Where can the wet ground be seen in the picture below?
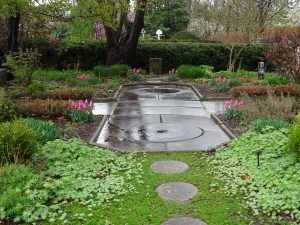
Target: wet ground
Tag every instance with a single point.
(159, 117)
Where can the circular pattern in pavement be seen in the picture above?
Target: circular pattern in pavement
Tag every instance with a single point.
(165, 132)
(169, 167)
(183, 221)
(177, 191)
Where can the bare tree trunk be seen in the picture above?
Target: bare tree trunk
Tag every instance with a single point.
(12, 33)
(122, 42)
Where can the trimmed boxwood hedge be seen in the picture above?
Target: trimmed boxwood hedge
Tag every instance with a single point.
(87, 54)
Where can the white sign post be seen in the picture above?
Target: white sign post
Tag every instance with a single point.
(159, 33)
(143, 32)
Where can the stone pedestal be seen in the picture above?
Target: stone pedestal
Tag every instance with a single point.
(155, 65)
(3, 77)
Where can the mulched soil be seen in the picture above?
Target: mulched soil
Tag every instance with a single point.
(84, 131)
(232, 125)
(207, 92)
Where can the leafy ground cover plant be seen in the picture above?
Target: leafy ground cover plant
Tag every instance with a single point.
(45, 130)
(193, 72)
(272, 188)
(293, 142)
(15, 180)
(82, 111)
(17, 142)
(70, 93)
(73, 173)
(260, 125)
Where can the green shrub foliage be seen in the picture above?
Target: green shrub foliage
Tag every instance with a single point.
(194, 72)
(116, 70)
(260, 125)
(90, 53)
(17, 142)
(293, 142)
(8, 110)
(185, 36)
(45, 130)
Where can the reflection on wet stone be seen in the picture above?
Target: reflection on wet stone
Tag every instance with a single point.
(160, 118)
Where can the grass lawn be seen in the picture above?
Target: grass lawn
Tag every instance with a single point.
(210, 205)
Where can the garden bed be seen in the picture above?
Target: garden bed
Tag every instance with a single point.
(83, 131)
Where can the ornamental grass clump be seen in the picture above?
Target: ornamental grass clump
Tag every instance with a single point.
(82, 111)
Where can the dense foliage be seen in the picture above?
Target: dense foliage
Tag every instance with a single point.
(260, 125)
(272, 187)
(44, 130)
(169, 16)
(194, 72)
(293, 142)
(18, 143)
(72, 173)
(90, 53)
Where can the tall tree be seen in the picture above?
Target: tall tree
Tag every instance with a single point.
(170, 16)
(122, 34)
(14, 10)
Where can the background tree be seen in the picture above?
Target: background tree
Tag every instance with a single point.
(285, 51)
(170, 16)
(14, 10)
(122, 34)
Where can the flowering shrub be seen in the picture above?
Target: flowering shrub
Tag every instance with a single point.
(233, 109)
(82, 111)
(221, 84)
(84, 77)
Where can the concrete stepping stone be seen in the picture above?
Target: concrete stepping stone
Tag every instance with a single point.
(183, 221)
(177, 191)
(170, 166)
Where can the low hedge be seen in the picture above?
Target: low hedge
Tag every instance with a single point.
(257, 90)
(70, 93)
(85, 55)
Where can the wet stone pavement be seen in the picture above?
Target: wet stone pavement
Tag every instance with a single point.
(158, 117)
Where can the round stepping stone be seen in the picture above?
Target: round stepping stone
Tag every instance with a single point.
(183, 221)
(169, 167)
(177, 191)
